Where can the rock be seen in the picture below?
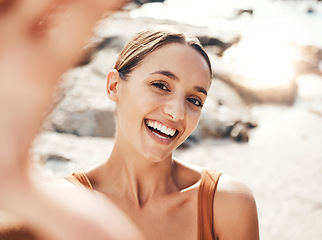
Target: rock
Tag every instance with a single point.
(141, 2)
(259, 74)
(115, 31)
(310, 10)
(244, 11)
(103, 61)
(223, 114)
(61, 154)
(239, 132)
(85, 109)
(113, 44)
(220, 45)
(305, 58)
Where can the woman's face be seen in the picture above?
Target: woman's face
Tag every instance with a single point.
(159, 105)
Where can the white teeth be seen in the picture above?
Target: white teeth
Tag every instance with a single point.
(162, 128)
(172, 132)
(160, 136)
(168, 132)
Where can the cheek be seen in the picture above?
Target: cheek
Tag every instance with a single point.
(132, 105)
(193, 119)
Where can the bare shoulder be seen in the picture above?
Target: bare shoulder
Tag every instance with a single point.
(234, 191)
(235, 213)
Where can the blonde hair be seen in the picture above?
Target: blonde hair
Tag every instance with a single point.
(150, 39)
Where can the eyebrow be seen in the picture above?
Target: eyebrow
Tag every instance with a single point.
(167, 74)
(200, 89)
(175, 78)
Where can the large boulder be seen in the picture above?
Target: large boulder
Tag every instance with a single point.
(84, 109)
(260, 73)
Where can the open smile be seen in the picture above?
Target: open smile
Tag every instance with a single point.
(161, 131)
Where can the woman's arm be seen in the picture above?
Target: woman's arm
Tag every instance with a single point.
(235, 213)
(39, 41)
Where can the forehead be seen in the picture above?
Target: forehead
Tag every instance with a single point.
(181, 59)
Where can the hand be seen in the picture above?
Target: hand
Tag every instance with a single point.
(39, 41)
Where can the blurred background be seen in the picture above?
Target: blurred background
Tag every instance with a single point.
(262, 122)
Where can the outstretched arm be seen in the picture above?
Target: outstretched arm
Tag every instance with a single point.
(39, 41)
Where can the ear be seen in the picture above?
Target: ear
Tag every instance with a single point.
(113, 85)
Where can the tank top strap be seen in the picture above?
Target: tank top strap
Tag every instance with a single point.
(208, 185)
(79, 179)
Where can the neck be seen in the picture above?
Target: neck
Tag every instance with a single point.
(139, 178)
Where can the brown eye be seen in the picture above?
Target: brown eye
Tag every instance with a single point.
(160, 86)
(195, 102)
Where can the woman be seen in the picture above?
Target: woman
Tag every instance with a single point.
(160, 83)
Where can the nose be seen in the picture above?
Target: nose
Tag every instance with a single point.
(175, 108)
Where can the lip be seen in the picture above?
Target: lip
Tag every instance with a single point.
(157, 138)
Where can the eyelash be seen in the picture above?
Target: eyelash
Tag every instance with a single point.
(194, 100)
(163, 87)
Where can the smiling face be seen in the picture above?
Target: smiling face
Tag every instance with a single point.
(159, 105)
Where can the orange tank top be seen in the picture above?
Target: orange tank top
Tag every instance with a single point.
(206, 193)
